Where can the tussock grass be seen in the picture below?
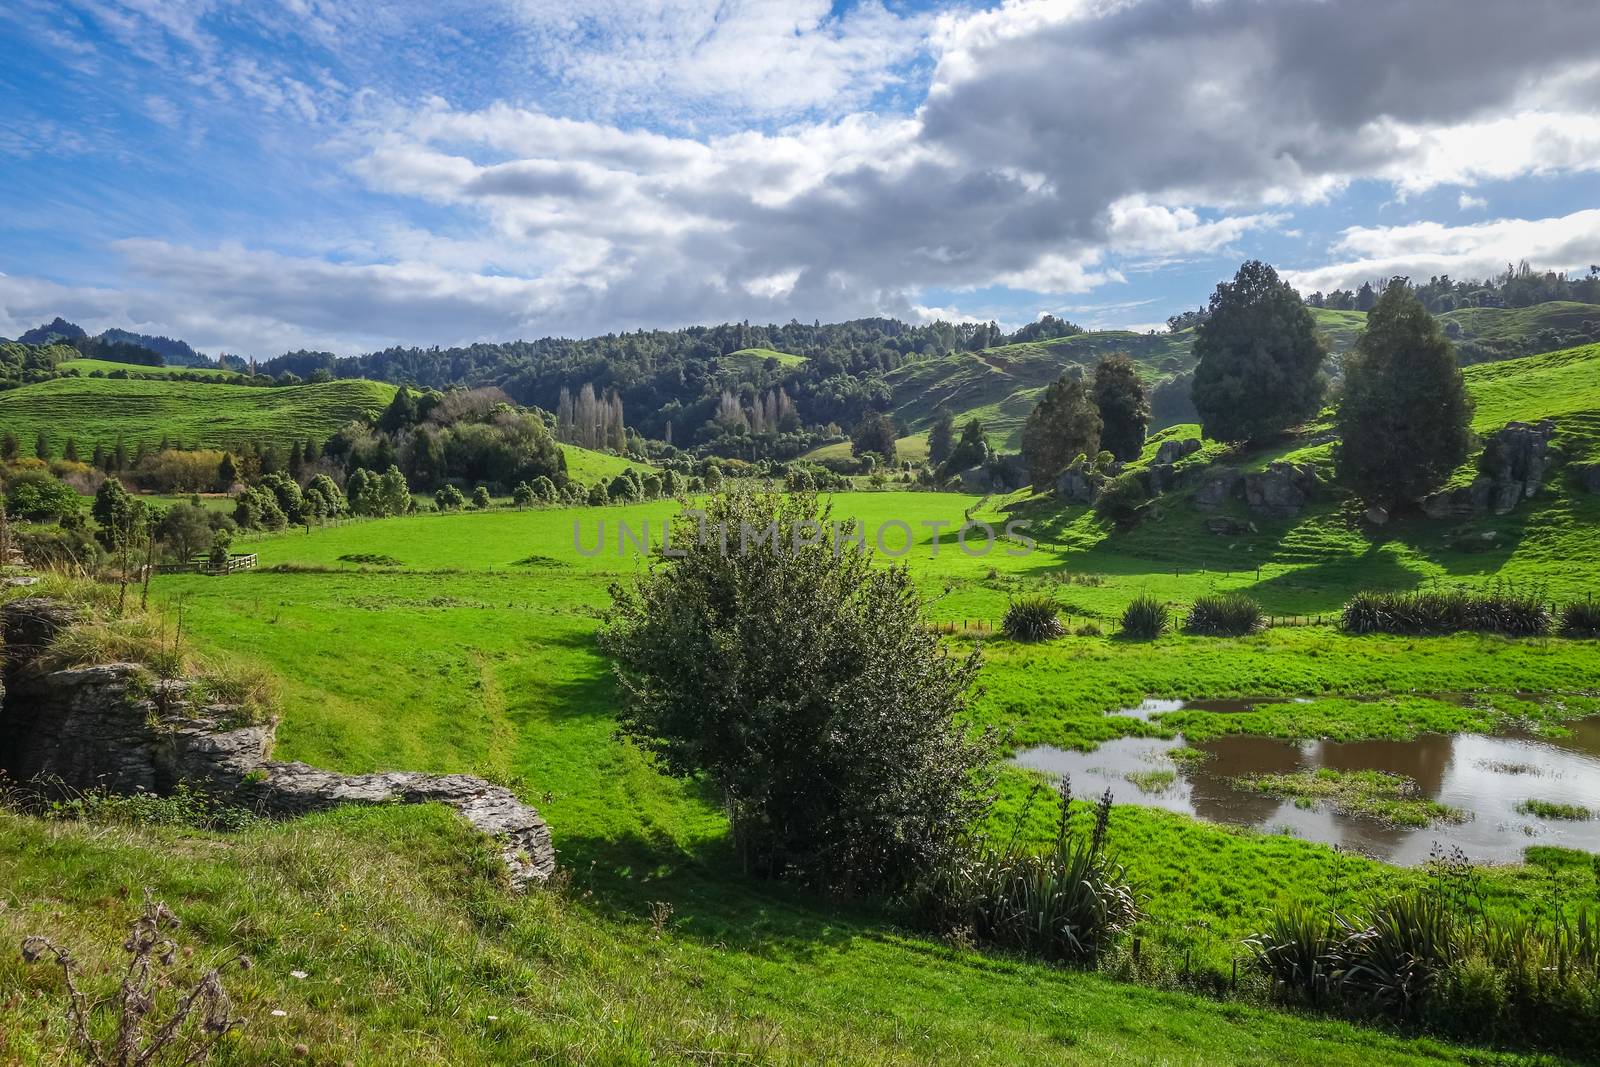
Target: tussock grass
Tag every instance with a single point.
(1145, 619)
(1033, 618)
(1225, 615)
(1502, 609)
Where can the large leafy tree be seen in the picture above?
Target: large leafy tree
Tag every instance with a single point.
(1063, 425)
(1405, 418)
(1260, 359)
(801, 682)
(1124, 406)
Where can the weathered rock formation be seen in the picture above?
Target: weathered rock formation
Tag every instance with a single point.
(1079, 484)
(1281, 490)
(523, 838)
(1588, 475)
(112, 727)
(1513, 465)
(1174, 450)
(1221, 487)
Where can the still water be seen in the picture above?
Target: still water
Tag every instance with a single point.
(1486, 777)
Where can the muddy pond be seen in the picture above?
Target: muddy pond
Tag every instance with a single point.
(1485, 778)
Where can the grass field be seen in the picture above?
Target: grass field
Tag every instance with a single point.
(99, 410)
(106, 366)
(475, 652)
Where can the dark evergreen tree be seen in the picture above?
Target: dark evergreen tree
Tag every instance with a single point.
(874, 435)
(9, 448)
(41, 447)
(227, 473)
(941, 435)
(401, 412)
(1124, 406)
(1063, 425)
(1405, 417)
(1260, 359)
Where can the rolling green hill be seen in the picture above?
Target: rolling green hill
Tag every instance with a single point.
(87, 366)
(1001, 385)
(99, 410)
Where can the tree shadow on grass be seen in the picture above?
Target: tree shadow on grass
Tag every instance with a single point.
(712, 899)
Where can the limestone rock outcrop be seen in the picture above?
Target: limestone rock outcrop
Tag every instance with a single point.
(523, 839)
(111, 726)
(1281, 490)
(1514, 462)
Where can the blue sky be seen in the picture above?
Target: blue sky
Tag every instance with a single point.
(255, 177)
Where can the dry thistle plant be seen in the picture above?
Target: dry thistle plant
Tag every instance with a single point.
(198, 1017)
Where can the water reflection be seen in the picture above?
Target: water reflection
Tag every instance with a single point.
(1487, 777)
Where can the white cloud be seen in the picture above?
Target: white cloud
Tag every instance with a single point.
(1060, 145)
(1468, 202)
(1480, 250)
(767, 57)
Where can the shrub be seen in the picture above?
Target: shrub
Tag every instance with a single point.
(448, 498)
(1033, 618)
(1224, 615)
(1501, 610)
(1069, 902)
(38, 496)
(1145, 619)
(480, 498)
(801, 683)
(1580, 618)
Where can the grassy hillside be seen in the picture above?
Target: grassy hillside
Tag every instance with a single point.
(98, 410)
(106, 366)
(1519, 325)
(588, 467)
(1562, 385)
(761, 355)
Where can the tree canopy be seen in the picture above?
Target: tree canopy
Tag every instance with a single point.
(1063, 425)
(1259, 358)
(1405, 416)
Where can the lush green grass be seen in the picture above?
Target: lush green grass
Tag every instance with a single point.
(761, 355)
(476, 653)
(1562, 385)
(99, 410)
(587, 466)
(106, 366)
(412, 954)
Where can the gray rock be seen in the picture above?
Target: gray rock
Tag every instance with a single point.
(976, 480)
(1377, 516)
(1281, 490)
(1226, 527)
(1161, 477)
(1462, 502)
(112, 727)
(1172, 451)
(1514, 462)
(523, 839)
(1217, 490)
(1079, 484)
(1588, 477)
